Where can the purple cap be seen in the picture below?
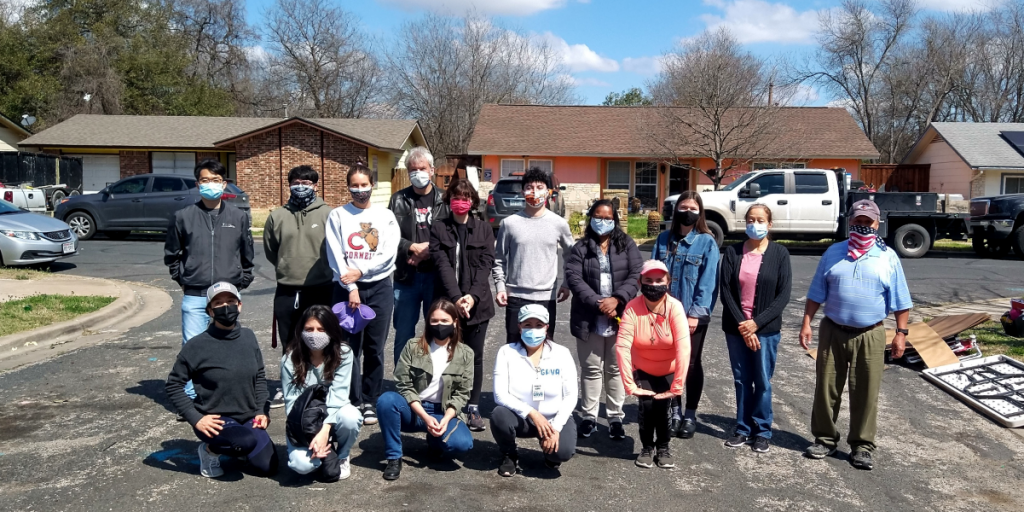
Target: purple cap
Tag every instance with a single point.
(353, 321)
(866, 208)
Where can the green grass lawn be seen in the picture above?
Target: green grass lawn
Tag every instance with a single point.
(40, 310)
(994, 341)
(22, 273)
(259, 217)
(637, 226)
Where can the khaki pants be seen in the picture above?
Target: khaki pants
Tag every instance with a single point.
(599, 363)
(861, 358)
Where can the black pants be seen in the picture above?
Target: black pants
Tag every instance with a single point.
(506, 426)
(242, 440)
(290, 302)
(475, 336)
(653, 418)
(695, 374)
(368, 382)
(512, 317)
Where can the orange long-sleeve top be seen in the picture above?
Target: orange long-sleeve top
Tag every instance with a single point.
(656, 344)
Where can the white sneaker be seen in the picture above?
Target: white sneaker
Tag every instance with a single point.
(278, 401)
(346, 470)
(209, 463)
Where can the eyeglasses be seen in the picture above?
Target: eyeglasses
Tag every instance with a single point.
(303, 182)
(208, 181)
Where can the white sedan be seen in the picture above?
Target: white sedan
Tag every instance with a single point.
(28, 238)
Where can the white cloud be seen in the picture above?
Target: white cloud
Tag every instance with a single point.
(800, 95)
(753, 21)
(578, 57)
(959, 5)
(256, 53)
(512, 7)
(643, 65)
(585, 81)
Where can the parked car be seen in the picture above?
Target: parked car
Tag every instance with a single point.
(146, 202)
(812, 204)
(507, 199)
(28, 238)
(28, 198)
(997, 224)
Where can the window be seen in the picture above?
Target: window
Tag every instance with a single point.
(758, 166)
(544, 165)
(646, 187)
(130, 186)
(1013, 184)
(618, 175)
(164, 184)
(811, 183)
(514, 187)
(510, 166)
(771, 183)
(166, 162)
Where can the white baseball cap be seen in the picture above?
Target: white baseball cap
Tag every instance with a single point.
(219, 288)
(533, 311)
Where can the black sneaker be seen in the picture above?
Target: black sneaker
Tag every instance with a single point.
(509, 466)
(819, 451)
(615, 431)
(552, 464)
(737, 440)
(587, 428)
(370, 415)
(664, 459)
(760, 445)
(393, 469)
(330, 467)
(476, 421)
(861, 459)
(645, 459)
(687, 429)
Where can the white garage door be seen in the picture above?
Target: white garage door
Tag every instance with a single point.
(98, 171)
(166, 162)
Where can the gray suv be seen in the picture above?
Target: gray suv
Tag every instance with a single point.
(507, 199)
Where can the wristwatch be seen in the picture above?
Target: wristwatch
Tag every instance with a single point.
(904, 332)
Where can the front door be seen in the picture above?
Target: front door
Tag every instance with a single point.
(678, 179)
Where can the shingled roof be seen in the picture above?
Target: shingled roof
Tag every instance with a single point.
(804, 132)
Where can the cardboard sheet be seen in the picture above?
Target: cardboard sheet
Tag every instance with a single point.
(929, 345)
(946, 326)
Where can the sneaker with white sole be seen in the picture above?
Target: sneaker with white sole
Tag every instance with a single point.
(209, 463)
(345, 469)
(369, 414)
(278, 401)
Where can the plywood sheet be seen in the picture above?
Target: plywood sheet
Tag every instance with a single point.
(929, 345)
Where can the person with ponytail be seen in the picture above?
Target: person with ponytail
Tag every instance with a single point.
(603, 272)
(433, 380)
(316, 354)
(690, 252)
(756, 284)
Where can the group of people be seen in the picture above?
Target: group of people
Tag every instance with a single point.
(344, 274)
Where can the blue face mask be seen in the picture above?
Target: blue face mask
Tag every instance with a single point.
(534, 337)
(211, 191)
(602, 226)
(757, 231)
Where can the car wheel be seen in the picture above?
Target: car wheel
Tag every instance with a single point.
(912, 241)
(82, 224)
(57, 197)
(117, 235)
(987, 247)
(1017, 241)
(716, 231)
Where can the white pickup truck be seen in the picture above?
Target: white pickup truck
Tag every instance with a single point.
(811, 204)
(27, 198)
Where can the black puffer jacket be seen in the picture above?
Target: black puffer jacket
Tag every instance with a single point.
(479, 257)
(401, 205)
(583, 277)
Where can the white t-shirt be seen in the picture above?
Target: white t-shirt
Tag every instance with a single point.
(439, 356)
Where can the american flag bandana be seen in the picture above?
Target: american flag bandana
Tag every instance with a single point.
(861, 240)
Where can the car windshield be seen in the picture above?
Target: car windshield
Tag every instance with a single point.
(6, 208)
(233, 189)
(509, 187)
(742, 179)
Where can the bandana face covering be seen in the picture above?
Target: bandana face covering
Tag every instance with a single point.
(302, 196)
(360, 195)
(861, 240)
(535, 199)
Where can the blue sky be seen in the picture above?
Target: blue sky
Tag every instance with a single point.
(612, 45)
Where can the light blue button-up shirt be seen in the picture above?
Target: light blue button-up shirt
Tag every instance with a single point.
(862, 292)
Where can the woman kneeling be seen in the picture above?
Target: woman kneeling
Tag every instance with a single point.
(316, 355)
(536, 390)
(434, 377)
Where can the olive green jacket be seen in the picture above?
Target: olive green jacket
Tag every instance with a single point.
(415, 370)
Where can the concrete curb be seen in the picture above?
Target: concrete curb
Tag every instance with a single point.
(126, 305)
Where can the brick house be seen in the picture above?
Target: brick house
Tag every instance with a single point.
(972, 159)
(596, 148)
(258, 152)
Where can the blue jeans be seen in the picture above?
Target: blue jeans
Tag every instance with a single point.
(411, 299)
(395, 416)
(194, 321)
(752, 372)
(345, 433)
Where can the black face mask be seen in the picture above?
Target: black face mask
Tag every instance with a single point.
(440, 331)
(653, 292)
(686, 217)
(226, 315)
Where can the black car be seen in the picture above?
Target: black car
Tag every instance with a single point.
(507, 199)
(146, 202)
(997, 224)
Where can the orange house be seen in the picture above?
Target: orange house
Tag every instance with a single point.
(596, 148)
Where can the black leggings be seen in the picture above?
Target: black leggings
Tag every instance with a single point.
(653, 416)
(695, 374)
(512, 317)
(475, 336)
(242, 440)
(368, 380)
(287, 312)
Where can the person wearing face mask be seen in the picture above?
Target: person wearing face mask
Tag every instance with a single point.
(207, 242)
(230, 412)
(362, 241)
(860, 281)
(294, 242)
(653, 348)
(315, 354)
(603, 272)
(756, 283)
(462, 248)
(432, 385)
(535, 390)
(416, 207)
(691, 253)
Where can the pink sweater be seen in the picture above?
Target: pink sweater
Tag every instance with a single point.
(656, 344)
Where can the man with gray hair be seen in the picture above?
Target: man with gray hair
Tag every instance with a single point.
(415, 207)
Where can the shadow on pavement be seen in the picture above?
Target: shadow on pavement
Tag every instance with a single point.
(154, 390)
(780, 438)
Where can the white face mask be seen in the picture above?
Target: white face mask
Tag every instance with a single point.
(419, 179)
(316, 340)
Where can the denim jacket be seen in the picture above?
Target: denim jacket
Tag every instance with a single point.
(693, 268)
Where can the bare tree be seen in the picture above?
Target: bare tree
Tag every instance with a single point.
(216, 35)
(444, 69)
(716, 101)
(992, 89)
